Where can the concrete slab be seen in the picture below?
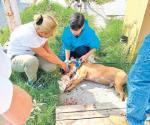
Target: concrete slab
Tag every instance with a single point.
(101, 13)
(116, 8)
(91, 93)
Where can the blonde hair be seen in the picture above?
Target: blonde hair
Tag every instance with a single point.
(45, 23)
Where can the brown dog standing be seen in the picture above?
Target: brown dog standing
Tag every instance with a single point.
(100, 74)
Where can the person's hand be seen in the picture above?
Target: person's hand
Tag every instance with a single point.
(83, 58)
(65, 67)
(67, 61)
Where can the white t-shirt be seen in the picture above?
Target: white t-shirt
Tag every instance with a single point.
(6, 93)
(6, 87)
(5, 64)
(23, 39)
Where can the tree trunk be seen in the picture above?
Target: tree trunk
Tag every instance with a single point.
(12, 13)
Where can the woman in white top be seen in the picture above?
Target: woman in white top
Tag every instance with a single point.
(28, 47)
(15, 103)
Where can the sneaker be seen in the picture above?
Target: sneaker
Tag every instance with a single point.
(40, 85)
(30, 83)
(121, 120)
(118, 120)
(37, 84)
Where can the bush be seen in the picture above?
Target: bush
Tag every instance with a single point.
(112, 51)
(28, 13)
(102, 1)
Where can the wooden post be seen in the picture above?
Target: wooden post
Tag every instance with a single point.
(136, 24)
(12, 13)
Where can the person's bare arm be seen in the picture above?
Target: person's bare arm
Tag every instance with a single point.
(84, 57)
(92, 51)
(67, 52)
(47, 48)
(50, 57)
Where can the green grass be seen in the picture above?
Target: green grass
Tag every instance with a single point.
(4, 34)
(112, 51)
(27, 15)
(47, 99)
(97, 1)
(102, 1)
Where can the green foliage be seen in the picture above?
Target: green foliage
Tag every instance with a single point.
(28, 13)
(45, 100)
(61, 14)
(97, 1)
(102, 1)
(112, 51)
(4, 35)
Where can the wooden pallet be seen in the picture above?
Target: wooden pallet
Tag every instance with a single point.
(94, 114)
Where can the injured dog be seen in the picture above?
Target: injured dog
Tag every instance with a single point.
(97, 73)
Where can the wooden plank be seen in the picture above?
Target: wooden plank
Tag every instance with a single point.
(94, 121)
(90, 107)
(89, 114)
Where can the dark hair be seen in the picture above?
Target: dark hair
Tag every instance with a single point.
(39, 20)
(76, 21)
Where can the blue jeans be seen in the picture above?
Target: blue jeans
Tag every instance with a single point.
(138, 103)
(79, 51)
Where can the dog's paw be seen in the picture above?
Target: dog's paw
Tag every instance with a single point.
(65, 78)
(62, 86)
(66, 90)
(69, 87)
